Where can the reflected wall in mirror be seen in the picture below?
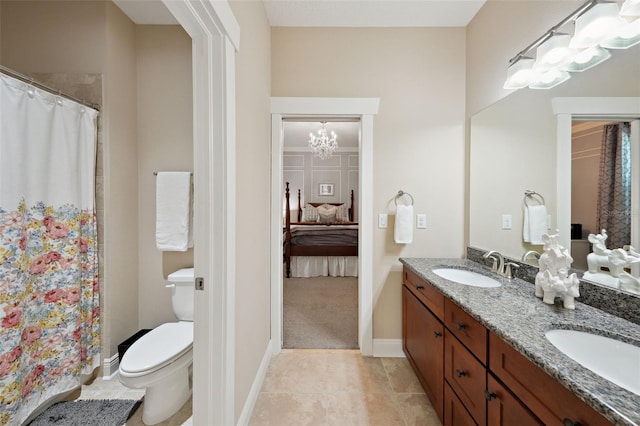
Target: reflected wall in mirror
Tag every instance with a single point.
(514, 147)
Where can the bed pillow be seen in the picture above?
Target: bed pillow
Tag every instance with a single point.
(327, 213)
(309, 213)
(343, 213)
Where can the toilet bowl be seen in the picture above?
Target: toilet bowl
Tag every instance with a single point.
(160, 361)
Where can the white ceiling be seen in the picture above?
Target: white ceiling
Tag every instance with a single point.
(334, 13)
(296, 133)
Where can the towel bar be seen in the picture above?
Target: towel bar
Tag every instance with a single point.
(529, 193)
(401, 194)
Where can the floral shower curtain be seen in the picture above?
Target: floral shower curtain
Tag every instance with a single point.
(614, 185)
(49, 305)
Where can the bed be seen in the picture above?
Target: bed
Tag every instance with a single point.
(320, 247)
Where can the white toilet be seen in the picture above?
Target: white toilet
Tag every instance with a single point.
(161, 360)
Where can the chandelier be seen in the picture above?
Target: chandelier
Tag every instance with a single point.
(323, 145)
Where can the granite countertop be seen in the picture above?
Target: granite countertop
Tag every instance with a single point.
(516, 315)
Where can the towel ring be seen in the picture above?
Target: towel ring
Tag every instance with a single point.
(401, 194)
(529, 193)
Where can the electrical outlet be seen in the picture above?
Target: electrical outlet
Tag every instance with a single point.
(507, 221)
(421, 221)
(382, 220)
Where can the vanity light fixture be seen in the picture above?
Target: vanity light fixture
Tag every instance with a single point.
(323, 145)
(598, 24)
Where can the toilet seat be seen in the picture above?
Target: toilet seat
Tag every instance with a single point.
(159, 347)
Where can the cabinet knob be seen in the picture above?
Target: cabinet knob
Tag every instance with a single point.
(569, 422)
(488, 395)
(437, 334)
(420, 287)
(460, 326)
(460, 373)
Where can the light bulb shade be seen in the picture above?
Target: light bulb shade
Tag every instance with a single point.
(548, 79)
(554, 52)
(595, 25)
(628, 35)
(519, 74)
(630, 8)
(586, 59)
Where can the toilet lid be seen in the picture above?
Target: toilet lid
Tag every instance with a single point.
(158, 347)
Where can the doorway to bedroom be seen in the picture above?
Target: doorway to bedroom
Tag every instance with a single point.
(320, 238)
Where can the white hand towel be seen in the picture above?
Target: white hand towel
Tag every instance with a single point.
(535, 224)
(173, 211)
(403, 228)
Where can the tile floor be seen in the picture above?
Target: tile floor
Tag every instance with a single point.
(316, 387)
(340, 388)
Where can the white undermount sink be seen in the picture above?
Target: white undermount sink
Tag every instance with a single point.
(463, 276)
(616, 361)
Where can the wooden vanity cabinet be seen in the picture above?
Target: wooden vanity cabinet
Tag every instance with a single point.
(543, 395)
(422, 341)
(471, 376)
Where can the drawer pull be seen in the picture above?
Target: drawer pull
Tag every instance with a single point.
(488, 395)
(437, 334)
(460, 373)
(420, 287)
(569, 422)
(460, 326)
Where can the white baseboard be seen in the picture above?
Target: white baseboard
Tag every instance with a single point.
(388, 348)
(254, 392)
(110, 367)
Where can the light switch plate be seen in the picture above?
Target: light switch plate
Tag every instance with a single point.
(421, 221)
(507, 220)
(382, 220)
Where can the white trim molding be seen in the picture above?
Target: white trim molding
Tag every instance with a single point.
(215, 38)
(110, 367)
(587, 108)
(360, 108)
(388, 348)
(254, 392)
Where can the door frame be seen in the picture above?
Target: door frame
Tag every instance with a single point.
(364, 109)
(215, 36)
(566, 110)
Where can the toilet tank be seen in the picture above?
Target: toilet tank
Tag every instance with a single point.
(182, 292)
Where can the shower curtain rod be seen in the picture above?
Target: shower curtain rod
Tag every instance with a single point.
(33, 82)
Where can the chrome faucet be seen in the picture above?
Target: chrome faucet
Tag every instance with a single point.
(499, 266)
(533, 253)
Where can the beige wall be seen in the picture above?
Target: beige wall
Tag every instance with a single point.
(164, 143)
(418, 74)
(585, 166)
(121, 175)
(253, 150)
(500, 30)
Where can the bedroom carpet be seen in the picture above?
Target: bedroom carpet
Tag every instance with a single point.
(320, 313)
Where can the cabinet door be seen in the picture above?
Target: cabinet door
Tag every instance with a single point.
(454, 412)
(466, 376)
(504, 409)
(422, 337)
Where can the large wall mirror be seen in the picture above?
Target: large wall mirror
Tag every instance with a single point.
(523, 142)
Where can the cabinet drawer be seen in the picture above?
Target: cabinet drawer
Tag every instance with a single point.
(466, 376)
(428, 294)
(454, 412)
(470, 332)
(551, 402)
(504, 409)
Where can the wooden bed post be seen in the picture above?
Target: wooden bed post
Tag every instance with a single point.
(299, 206)
(351, 209)
(287, 234)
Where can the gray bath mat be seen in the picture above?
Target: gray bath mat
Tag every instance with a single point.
(95, 412)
